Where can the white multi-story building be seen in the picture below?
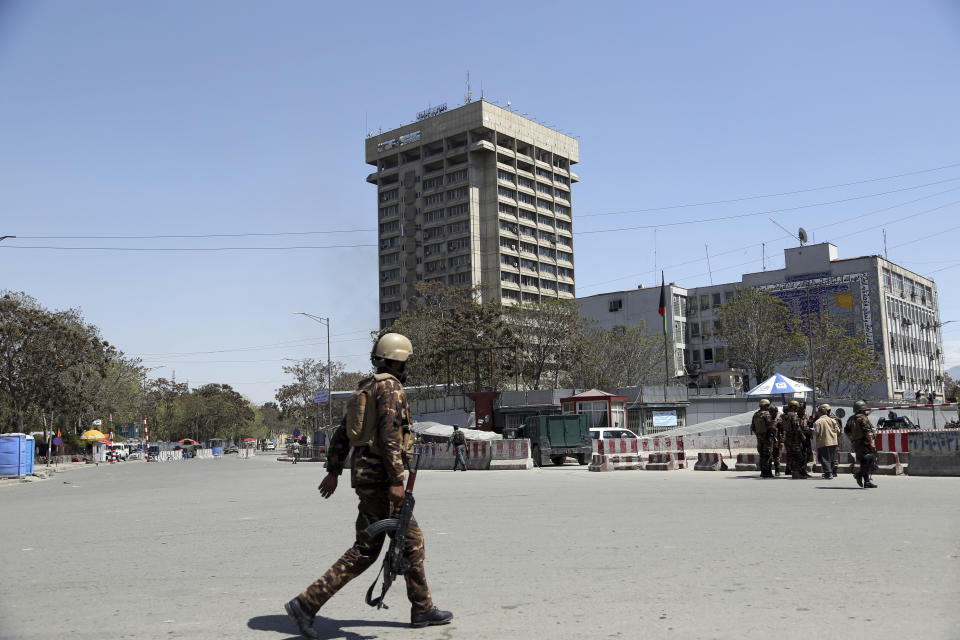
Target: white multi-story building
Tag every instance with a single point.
(894, 309)
(474, 196)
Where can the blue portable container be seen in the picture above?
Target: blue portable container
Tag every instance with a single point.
(13, 453)
(31, 453)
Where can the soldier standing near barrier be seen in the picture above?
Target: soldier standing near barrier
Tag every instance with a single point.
(762, 427)
(807, 428)
(459, 441)
(793, 435)
(377, 477)
(777, 439)
(864, 439)
(827, 429)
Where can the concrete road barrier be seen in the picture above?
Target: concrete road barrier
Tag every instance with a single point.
(748, 462)
(627, 446)
(934, 453)
(441, 456)
(510, 455)
(601, 462)
(661, 443)
(665, 461)
(707, 461)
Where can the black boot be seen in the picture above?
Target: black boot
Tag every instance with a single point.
(868, 482)
(304, 622)
(432, 617)
(859, 477)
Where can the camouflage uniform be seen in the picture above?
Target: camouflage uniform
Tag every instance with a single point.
(863, 437)
(762, 426)
(778, 444)
(793, 435)
(370, 476)
(807, 429)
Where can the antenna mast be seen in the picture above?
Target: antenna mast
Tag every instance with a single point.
(654, 256)
(469, 97)
(706, 249)
(885, 255)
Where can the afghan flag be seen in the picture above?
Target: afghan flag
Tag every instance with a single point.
(663, 303)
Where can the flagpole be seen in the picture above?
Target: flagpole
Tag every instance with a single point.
(666, 358)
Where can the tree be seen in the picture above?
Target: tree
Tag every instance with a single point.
(951, 390)
(548, 332)
(760, 332)
(44, 355)
(612, 358)
(842, 363)
(458, 340)
(296, 398)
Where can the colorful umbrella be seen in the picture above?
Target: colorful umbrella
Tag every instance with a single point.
(777, 384)
(92, 435)
(188, 441)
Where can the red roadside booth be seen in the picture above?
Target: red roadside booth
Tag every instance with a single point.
(605, 409)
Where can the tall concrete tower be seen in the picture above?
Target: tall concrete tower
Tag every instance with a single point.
(476, 195)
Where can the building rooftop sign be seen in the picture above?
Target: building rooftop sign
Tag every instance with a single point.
(432, 111)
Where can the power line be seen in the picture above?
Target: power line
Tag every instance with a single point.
(757, 244)
(586, 215)
(662, 225)
(200, 235)
(329, 246)
(303, 342)
(770, 195)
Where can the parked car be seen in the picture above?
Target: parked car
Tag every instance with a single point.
(231, 448)
(603, 434)
(270, 446)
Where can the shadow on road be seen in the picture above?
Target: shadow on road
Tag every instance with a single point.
(843, 488)
(327, 628)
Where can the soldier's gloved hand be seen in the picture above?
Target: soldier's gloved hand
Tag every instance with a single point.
(328, 485)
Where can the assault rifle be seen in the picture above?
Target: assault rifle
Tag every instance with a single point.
(394, 564)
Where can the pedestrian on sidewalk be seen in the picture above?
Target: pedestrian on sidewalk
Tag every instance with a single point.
(459, 441)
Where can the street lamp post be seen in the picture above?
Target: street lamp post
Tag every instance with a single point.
(324, 321)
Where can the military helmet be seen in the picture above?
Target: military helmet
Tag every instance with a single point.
(794, 403)
(391, 346)
(764, 403)
(859, 406)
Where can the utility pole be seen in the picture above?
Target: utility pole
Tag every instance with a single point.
(325, 321)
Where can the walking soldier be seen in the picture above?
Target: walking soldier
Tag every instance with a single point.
(379, 455)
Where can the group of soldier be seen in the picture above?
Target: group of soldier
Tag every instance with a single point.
(794, 431)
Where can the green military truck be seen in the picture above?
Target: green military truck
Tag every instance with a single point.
(558, 436)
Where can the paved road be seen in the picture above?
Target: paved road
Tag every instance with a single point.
(211, 549)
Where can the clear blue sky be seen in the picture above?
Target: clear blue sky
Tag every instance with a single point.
(138, 118)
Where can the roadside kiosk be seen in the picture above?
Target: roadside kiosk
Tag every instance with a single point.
(216, 445)
(605, 409)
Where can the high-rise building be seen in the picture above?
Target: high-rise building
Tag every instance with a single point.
(893, 309)
(474, 196)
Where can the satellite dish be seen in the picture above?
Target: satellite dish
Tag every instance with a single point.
(802, 234)
(840, 412)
